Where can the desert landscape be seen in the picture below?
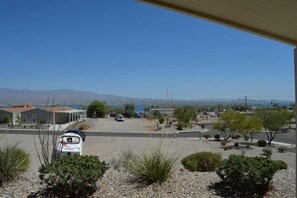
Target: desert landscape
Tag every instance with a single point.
(117, 183)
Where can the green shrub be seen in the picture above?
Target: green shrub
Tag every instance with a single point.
(224, 142)
(217, 137)
(247, 174)
(13, 161)
(161, 120)
(262, 143)
(202, 162)
(124, 162)
(227, 148)
(207, 136)
(84, 126)
(236, 137)
(73, 175)
(267, 151)
(153, 166)
(5, 119)
(281, 164)
(180, 126)
(282, 149)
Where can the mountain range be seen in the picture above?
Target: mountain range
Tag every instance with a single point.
(70, 97)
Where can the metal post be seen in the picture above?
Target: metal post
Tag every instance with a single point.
(295, 66)
(54, 119)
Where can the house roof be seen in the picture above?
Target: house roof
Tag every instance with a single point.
(16, 109)
(62, 109)
(274, 19)
(58, 109)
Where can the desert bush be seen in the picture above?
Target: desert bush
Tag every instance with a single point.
(217, 137)
(236, 137)
(153, 166)
(267, 151)
(262, 143)
(13, 161)
(281, 164)
(202, 162)
(161, 120)
(282, 149)
(124, 162)
(207, 136)
(226, 147)
(247, 174)
(180, 126)
(73, 176)
(224, 142)
(5, 119)
(84, 126)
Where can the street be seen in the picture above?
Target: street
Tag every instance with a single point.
(288, 137)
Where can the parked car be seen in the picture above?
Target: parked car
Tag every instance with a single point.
(69, 144)
(78, 132)
(119, 118)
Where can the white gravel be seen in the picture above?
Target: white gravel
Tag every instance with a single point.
(182, 184)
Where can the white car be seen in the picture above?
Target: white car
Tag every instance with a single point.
(69, 144)
(119, 118)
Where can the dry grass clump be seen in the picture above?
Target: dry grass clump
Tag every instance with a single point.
(13, 161)
(84, 126)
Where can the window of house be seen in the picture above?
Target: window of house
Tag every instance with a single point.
(24, 118)
(33, 117)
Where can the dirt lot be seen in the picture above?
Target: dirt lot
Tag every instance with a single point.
(132, 125)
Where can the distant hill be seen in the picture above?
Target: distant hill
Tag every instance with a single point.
(73, 97)
(58, 96)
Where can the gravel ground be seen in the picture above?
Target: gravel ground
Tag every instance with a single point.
(182, 184)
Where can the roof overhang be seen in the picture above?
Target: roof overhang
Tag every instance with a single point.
(276, 19)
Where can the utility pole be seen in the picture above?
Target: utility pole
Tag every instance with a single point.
(168, 101)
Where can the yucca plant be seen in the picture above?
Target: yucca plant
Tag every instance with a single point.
(153, 166)
(13, 161)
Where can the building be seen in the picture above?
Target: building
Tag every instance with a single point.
(164, 111)
(52, 115)
(13, 113)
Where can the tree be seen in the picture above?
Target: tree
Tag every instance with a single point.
(5, 119)
(273, 120)
(239, 107)
(185, 115)
(119, 110)
(253, 124)
(97, 109)
(157, 114)
(129, 110)
(19, 119)
(232, 122)
(229, 123)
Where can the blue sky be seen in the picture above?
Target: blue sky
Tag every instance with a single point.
(132, 49)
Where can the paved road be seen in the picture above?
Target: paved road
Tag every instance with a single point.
(116, 134)
(289, 137)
